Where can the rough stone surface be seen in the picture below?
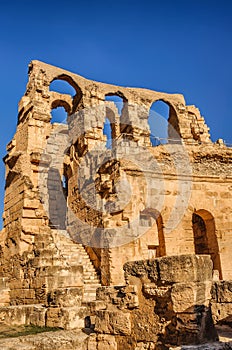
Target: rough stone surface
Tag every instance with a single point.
(76, 210)
(162, 313)
(222, 302)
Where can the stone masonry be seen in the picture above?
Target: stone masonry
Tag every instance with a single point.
(77, 210)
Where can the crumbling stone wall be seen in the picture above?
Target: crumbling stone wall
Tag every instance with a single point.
(128, 202)
(165, 302)
(222, 302)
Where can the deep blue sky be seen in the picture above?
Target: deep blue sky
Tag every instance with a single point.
(180, 46)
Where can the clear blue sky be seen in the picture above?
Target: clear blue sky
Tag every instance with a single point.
(180, 46)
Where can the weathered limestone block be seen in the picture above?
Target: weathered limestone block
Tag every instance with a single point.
(23, 315)
(101, 342)
(65, 297)
(163, 312)
(61, 277)
(186, 296)
(106, 341)
(145, 269)
(185, 268)
(66, 317)
(173, 269)
(222, 313)
(37, 316)
(222, 291)
(123, 297)
(5, 291)
(23, 296)
(222, 302)
(91, 342)
(113, 322)
(5, 297)
(194, 328)
(179, 297)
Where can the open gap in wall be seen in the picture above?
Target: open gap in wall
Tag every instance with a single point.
(107, 131)
(118, 101)
(64, 181)
(62, 87)
(59, 115)
(158, 123)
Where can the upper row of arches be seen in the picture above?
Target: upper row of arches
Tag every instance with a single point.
(158, 120)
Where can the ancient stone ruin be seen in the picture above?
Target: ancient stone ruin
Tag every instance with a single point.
(120, 234)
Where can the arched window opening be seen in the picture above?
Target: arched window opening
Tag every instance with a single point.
(153, 238)
(62, 87)
(163, 124)
(118, 101)
(205, 239)
(64, 84)
(59, 115)
(107, 131)
(158, 123)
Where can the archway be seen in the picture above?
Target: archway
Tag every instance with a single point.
(118, 101)
(62, 87)
(111, 128)
(153, 238)
(60, 110)
(64, 84)
(205, 239)
(163, 124)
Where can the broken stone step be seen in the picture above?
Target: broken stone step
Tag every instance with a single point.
(23, 315)
(89, 271)
(91, 277)
(66, 317)
(93, 281)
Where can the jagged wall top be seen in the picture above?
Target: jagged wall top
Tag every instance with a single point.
(188, 121)
(39, 71)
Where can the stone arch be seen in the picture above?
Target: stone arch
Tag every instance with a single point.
(61, 86)
(59, 112)
(61, 103)
(154, 235)
(114, 106)
(118, 99)
(77, 98)
(173, 127)
(205, 238)
(118, 94)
